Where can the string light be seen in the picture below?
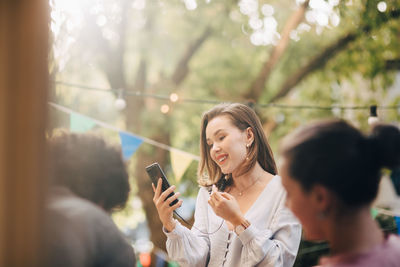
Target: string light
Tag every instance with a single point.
(120, 102)
(336, 111)
(382, 6)
(164, 108)
(333, 109)
(373, 116)
(173, 97)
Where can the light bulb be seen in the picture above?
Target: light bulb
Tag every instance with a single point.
(164, 108)
(336, 111)
(120, 103)
(373, 116)
(173, 97)
(372, 120)
(382, 6)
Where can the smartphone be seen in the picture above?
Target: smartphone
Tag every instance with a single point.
(155, 172)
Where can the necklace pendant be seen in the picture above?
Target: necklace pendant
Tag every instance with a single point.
(240, 193)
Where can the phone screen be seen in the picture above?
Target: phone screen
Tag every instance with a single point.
(155, 172)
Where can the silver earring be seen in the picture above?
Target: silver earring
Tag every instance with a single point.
(248, 145)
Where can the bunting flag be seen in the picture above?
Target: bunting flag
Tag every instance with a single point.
(180, 162)
(129, 143)
(79, 123)
(374, 213)
(397, 220)
(395, 177)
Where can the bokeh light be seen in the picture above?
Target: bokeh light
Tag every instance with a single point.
(382, 6)
(164, 108)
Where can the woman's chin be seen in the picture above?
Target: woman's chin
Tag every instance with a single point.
(225, 170)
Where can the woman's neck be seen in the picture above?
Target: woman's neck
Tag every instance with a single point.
(354, 232)
(249, 178)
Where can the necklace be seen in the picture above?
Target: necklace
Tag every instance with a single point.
(241, 191)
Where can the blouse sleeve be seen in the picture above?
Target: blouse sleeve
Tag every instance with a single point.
(276, 246)
(191, 247)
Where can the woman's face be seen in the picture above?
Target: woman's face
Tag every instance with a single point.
(302, 204)
(226, 143)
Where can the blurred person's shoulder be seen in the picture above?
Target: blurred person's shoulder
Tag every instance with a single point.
(386, 254)
(82, 234)
(63, 200)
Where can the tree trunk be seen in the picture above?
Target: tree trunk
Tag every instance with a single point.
(182, 69)
(256, 88)
(316, 63)
(133, 114)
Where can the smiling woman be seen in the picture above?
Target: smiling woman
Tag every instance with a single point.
(241, 190)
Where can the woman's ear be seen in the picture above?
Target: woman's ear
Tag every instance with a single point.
(322, 199)
(249, 135)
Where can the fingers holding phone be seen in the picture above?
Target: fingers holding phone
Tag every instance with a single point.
(168, 197)
(165, 199)
(166, 202)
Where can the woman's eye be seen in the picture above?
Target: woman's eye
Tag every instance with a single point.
(221, 137)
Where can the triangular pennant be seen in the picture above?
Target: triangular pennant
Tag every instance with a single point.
(374, 213)
(129, 143)
(180, 162)
(397, 220)
(79, 123)
(173, 264)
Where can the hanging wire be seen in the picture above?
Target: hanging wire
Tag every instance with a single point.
(211, 101)
(135, 93)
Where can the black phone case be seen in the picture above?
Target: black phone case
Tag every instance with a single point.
(155, 172)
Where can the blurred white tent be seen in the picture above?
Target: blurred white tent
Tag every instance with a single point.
(387, 197)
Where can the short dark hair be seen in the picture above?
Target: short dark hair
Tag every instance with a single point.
(90, 167)
(338, 156)
(242, 117)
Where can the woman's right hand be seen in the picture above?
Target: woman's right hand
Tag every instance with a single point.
(162, 204)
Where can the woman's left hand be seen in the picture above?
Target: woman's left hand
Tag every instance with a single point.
(225, 206)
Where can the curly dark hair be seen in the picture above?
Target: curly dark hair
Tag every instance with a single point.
(90, 167)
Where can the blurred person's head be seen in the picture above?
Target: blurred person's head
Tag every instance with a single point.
(90, 167)
(330, 170)
(249, 149)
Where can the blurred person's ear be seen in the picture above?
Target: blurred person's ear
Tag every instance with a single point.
(322, 200)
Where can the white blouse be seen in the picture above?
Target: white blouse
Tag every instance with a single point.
(272, 239)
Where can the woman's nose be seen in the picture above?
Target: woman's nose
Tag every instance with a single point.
(215, 147)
